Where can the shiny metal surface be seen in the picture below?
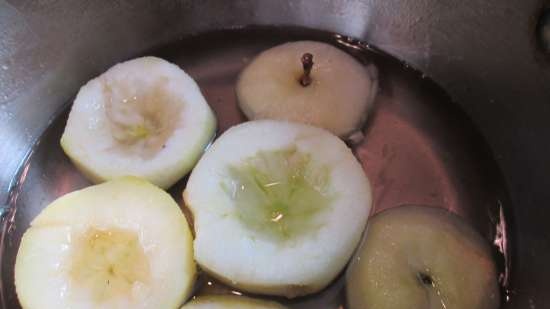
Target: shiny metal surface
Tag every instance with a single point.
(482, 52)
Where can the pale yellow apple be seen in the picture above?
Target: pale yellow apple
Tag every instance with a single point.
(417, 257)
(121, 244)
(279, 207)
(230, 302)
(144, 117)
(339, 97)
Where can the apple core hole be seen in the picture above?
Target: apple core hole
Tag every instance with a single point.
(141, 117)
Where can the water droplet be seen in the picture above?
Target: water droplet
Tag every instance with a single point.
(5, 67)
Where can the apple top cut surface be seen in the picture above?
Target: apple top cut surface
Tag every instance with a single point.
(279, 207)
(144, 117)
(230, 302)
(121, 244)
(416, 257)
(340, 93)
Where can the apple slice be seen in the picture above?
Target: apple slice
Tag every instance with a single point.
(422, 258)
(121, 244)
(279, 207)
(309, 82)
(145, 117)
(230, 302)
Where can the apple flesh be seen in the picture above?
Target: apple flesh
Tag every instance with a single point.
(144, 117)
(278, 207)
(230, 302)
(121, 244)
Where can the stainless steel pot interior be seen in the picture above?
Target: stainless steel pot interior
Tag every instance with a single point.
(482, 52)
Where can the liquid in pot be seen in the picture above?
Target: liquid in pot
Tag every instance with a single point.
(419, 148)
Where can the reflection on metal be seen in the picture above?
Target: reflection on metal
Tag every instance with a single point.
(543, 30)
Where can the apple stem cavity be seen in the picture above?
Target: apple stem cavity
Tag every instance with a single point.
(307, 64)
(425, 279)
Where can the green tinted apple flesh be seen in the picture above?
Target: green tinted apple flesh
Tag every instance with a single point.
(280, 193)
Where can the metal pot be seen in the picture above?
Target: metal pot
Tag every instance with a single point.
(483, 53)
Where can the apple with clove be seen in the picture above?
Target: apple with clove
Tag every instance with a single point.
(309, 82)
